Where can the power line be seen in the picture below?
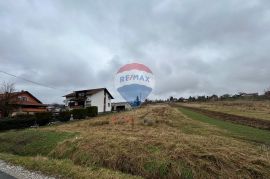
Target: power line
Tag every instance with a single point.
(30, 81)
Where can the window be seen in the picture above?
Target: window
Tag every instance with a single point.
(109, 104)
(81, 94)
(88, 103)
(22, 98)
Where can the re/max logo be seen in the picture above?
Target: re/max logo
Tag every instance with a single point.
(135, 77)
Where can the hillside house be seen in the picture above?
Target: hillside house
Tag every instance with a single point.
(267, 93)
(249, 94)
(99, 97)
(23, 103)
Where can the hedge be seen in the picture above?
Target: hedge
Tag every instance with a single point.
(42, 119)
(79, 113)
(64, 116)
(92, 111)
(83, 113)
(25, 121)
(6, 124)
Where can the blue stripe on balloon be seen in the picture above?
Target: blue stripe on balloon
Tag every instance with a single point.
(131, 92)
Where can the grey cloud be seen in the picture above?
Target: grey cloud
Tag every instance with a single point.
(193, 47)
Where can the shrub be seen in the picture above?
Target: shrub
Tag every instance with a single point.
(92, 111)
(43, 118)
(79, 113)
(64, 116)
(82, 113)
(25, 120)
(22, 117)
(17, 122)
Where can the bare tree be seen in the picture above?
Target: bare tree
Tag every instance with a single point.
(6, 94)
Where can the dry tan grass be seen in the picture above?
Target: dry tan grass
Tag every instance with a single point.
(254, 109)
(63, 168)
(175, 146)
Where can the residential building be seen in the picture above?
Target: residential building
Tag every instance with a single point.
(23, 103)
(99, 97)
(249, 94)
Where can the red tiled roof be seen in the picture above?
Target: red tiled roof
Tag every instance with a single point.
(15, 94)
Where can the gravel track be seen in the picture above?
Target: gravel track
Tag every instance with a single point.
(19, 172)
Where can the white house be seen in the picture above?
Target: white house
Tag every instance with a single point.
(99, 97)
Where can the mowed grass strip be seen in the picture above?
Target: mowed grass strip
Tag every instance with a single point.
(31, 142)
(245, 108)
(235, 130)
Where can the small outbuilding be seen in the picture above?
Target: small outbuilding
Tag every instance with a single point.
(121, 106)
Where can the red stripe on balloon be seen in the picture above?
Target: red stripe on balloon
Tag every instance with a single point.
(134, 66)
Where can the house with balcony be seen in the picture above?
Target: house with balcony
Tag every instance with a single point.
(99, 97)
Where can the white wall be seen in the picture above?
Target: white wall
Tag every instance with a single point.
(108, 100)
(98, 100)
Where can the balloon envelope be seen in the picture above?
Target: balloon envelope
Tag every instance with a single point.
(134, 82)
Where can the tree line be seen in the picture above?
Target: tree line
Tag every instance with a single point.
(214, 97)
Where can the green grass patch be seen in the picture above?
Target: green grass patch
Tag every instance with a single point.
(31, 142)
(157, 168)
(186, 171)
(235, 130)
(153, 149)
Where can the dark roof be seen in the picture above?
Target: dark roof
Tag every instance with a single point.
(88, 92)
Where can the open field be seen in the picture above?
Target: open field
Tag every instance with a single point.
(252, 109)
(237, 130)
(248, 121)
(165, 142)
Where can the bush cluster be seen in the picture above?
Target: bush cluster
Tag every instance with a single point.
(92, 111)
(83, 113)
(44, 118)
(64, 116)
(25, 121)
(79, 113)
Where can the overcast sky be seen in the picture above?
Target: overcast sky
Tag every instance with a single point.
(194, 47)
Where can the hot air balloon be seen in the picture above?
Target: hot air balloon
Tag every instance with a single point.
(134, 82)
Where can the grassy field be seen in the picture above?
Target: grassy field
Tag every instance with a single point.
(164, 142)
(254, 109)
(31, 141)
(31, 147)
(235, 130)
